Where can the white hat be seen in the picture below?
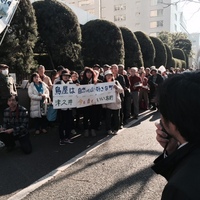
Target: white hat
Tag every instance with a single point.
(153, 68)
(162, 69)
(107, 72)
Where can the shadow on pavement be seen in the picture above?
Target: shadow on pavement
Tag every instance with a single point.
(19, 171)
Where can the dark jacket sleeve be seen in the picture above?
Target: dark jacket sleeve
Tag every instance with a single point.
(174, 193)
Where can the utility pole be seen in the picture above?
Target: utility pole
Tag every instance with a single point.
(100, 9)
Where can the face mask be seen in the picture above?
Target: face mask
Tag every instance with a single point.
(5, 72)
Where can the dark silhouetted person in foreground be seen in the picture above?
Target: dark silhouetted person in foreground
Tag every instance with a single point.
(7, 87)
(179, 103)
(15, 126)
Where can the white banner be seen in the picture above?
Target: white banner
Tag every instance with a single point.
(72, 96)
(7, 9)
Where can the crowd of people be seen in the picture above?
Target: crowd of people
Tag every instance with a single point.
(177, 132)
(135, 90)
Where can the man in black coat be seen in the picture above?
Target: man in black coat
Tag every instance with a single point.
(178, 133)
(154, 81)
(7, 87)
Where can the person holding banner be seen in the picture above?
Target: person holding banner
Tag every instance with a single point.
(75, 111)
(112, 110)
(65, 116)
(90, 112)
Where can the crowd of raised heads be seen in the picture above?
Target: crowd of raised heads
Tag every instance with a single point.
(100, 70)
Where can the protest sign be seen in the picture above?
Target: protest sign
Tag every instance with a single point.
(71, 95)
(7, 10)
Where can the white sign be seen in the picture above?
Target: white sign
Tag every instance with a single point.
(7, 9)
(13, 75)
(71, 95)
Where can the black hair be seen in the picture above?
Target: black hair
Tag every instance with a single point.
(3, 66)
(34, 75)
(96, 65)
(60, 67)
(65, 71)
(54, 72)
(13, 95)
(179, 103)
(85, 79)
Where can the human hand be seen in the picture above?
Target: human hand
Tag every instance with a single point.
(1, 128)
(169, 144)
(44, 96)
(9, 131)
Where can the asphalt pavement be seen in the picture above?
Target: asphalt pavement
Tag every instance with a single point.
(102, 167)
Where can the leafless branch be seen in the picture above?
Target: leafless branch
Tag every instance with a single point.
(180, 1)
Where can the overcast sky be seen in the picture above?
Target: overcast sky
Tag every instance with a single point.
(192, 16)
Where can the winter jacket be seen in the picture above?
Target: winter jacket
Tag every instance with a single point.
(181, 169)
(117, 104)
(35, 104)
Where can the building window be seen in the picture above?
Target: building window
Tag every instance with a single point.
(91, 11)
(73, 2)
(160, 12)
(153, 13)
(159, 23)
(84, 3)
(156, 13)
(120, 7)
(137, 24)
(156, 2)
(156, 24)
(137, 3)
(119, 18)
(153, 24)
(153, 2)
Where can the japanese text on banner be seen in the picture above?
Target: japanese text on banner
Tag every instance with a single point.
(71, 95)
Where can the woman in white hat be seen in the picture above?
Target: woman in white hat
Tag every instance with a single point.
(113, 109)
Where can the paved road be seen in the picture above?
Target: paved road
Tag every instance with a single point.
(18, 171)
(119, 168)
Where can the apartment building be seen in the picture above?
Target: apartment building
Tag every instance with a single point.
(149, 16)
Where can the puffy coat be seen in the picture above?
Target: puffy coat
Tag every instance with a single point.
(117, 104)
(35, 110)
